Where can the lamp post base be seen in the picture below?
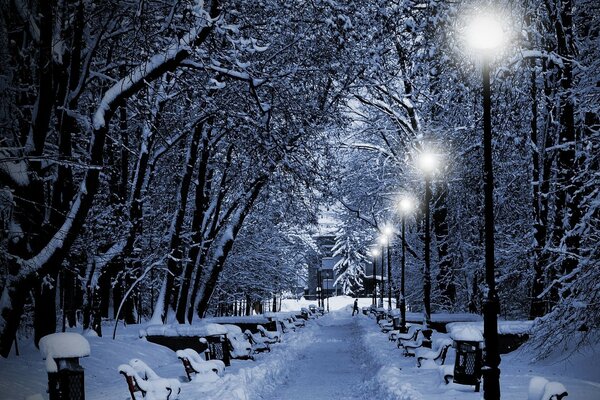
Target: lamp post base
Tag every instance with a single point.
(490, 370)
(491, 383)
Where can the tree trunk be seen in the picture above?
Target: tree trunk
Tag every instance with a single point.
(445, 278)
(209, 286)
(175, 250)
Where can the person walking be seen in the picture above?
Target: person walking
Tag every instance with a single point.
(355, 309)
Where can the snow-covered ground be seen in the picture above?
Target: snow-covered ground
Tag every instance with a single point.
(334, 357)
(580, 373)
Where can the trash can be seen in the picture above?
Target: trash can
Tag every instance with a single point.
(467, 366)
(68, 382)
(65, 376)
(218, 349)
(365, 310)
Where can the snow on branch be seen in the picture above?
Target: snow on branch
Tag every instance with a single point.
(157, 65)
(146, 72)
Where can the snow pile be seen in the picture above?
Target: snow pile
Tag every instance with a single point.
(254, 319)
(465, 332)
(204, 329)
(391, 377)
(63, 345)
(232, 330)
(504, 327)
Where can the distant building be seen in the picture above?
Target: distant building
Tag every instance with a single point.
(321, 272)
(372, 279)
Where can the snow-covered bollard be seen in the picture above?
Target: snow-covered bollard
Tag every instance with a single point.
(65, 376)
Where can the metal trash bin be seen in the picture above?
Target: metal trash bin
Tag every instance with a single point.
(218, 348)
(65, 376)
(467, 366)
(68, 383)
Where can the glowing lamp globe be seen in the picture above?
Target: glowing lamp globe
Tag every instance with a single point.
(388, 230)
(406, 205)
(427, 162)
(485, 33)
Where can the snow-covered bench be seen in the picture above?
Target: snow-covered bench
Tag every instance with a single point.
(259, 343)
(298, 322)
(423, 341)
(411, 335)
(541, 389)
(273, 336)
(239, 347)
(309, 313)
(411, 346)
(194, 364)
(439, 352)
(287, 326)
(386, 325)
(141, 378)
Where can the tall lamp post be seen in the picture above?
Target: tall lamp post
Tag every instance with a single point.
(485, 36)
(327, 282)
(375, 254)
(388, 232)
(382, 242)
(406, 206)
(319, 296)
(427, 163)
(319, 288)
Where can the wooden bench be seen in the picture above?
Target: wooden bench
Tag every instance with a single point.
(541, 389)
(135, 383)
(194, 364)
(412, 345)
(411, 335)
(258, 343)
(438, 353)
(273, 336)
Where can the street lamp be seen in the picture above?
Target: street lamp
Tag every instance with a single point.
(406, 207)
(383, 241)
(428, 163)
(375, 254)
(327, 287)
(319, 296)
(388, 232)
(485, 35)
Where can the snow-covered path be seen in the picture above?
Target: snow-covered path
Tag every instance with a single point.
(334, 366)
